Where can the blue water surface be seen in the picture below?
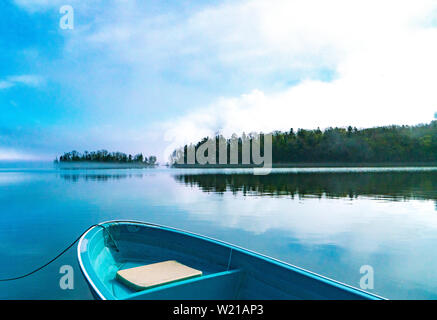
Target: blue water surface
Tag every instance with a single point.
(329, 221)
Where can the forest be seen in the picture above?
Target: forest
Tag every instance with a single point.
(387, 144)
(104, 156)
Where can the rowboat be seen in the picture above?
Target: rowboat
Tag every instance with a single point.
(129, 260)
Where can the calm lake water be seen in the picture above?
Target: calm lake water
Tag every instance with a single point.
(330, 221)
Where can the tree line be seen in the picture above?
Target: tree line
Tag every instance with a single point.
(106, 157)
(386, 144)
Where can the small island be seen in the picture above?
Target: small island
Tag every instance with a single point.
(105, 159)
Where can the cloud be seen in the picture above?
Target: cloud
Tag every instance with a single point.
(263, 64)
(29, 80)
(5, 84)
(11, 154)
(26, 80)
(43, 5)
(258, 37)
(246, 38)
(382, 57)
(380, 61)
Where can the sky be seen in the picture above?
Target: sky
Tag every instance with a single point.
(151, 75)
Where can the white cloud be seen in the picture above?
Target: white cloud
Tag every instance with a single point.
(5, 84)
(42, 5)
(249, 37)
(27, 80)
(380, 57)
(258, 37)
(11, 154)
(383, 55)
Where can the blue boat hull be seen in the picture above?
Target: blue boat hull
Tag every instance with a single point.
(229, 272)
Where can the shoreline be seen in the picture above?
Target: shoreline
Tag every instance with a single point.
(312, 165)
(102, 165)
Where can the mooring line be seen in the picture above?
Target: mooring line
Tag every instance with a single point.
(55, 258)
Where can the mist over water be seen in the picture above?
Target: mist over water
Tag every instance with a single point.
(330, 221)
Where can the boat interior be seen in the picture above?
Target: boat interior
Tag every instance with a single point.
(127, 261)
(120, 247)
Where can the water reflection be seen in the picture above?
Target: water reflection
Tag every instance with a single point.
(44, 210)
(386, 185)
(98, 177)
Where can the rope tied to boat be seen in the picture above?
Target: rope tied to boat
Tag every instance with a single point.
(60, 254)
